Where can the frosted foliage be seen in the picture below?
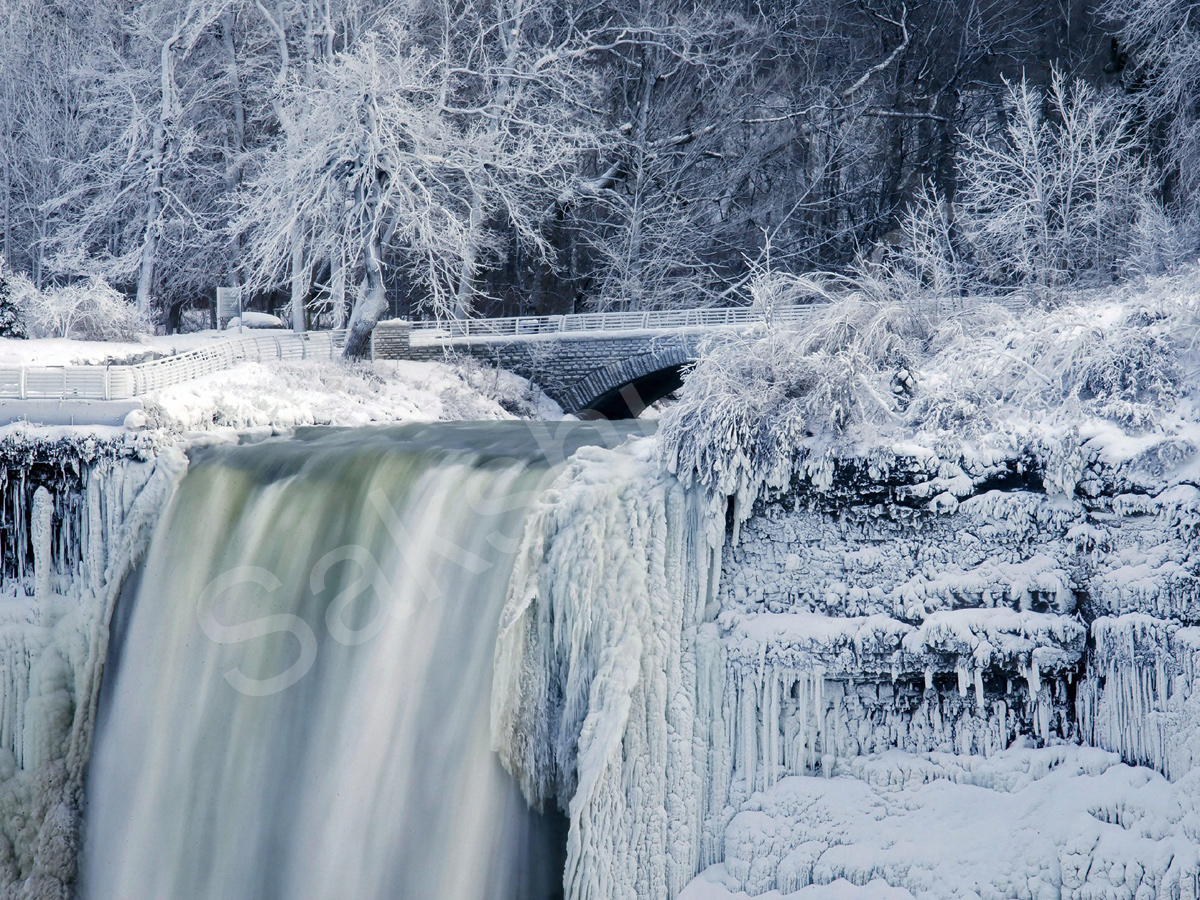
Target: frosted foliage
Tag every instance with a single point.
(749, 405)
(88, 310)
(870, 377)
(595, 698)
(83, 538)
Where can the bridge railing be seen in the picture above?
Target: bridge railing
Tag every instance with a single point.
(649, 320)
(123, 382)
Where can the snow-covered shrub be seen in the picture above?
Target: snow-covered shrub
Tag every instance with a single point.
(12, 324)
(1162, 241)
(90, 311)
(749, 403)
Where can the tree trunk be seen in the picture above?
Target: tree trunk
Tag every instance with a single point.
(337, 288)
(158, 154)
(237, 145)
(150, 243)
(299, 280)
(466, 278)
(370, 306)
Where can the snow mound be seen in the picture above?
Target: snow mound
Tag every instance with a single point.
(283, 395)
(1058, 822)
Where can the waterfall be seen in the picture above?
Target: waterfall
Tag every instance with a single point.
(300, 707)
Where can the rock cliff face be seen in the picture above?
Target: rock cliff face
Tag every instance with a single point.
(951, 609)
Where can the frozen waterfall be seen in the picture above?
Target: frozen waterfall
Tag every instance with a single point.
(301, 704)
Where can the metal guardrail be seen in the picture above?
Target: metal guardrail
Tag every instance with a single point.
(123, 382)
(651, 320)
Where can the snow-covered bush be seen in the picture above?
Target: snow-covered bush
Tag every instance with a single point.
(12, 324)
(758, 410)
(749, 403)
(90, 311)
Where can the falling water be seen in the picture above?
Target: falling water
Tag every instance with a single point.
(300, 706)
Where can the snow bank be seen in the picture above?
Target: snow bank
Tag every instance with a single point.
(1066, 822)
(283, 395)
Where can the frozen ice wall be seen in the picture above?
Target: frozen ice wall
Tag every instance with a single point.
(75, 518)
(599, 701)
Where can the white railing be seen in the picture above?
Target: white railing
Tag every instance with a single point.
(100, 382)
(651, 320)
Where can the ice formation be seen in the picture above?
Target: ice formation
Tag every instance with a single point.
(76, 517)
(845, 674)
(597, 693)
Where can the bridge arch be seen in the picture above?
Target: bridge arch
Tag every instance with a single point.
(623, 388)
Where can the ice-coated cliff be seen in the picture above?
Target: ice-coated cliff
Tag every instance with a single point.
(599, 691)
(75, 518)
(913, 677)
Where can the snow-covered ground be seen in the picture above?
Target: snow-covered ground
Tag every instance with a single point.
(67, 351)
(282, 395)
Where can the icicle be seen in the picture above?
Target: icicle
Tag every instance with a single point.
(41, 535)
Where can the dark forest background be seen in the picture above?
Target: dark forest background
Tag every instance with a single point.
(535, 157)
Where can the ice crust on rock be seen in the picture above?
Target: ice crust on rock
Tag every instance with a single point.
(595, 698)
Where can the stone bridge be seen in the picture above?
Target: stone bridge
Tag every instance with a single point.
(610, 365)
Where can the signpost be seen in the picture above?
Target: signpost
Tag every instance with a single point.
(229, 304)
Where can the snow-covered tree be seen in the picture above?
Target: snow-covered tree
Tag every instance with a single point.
(1161, 63)
(11, 321)
(433, 155)
(1051, 199)
(148, 182)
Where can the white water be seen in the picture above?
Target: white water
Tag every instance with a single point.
(317, 724)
